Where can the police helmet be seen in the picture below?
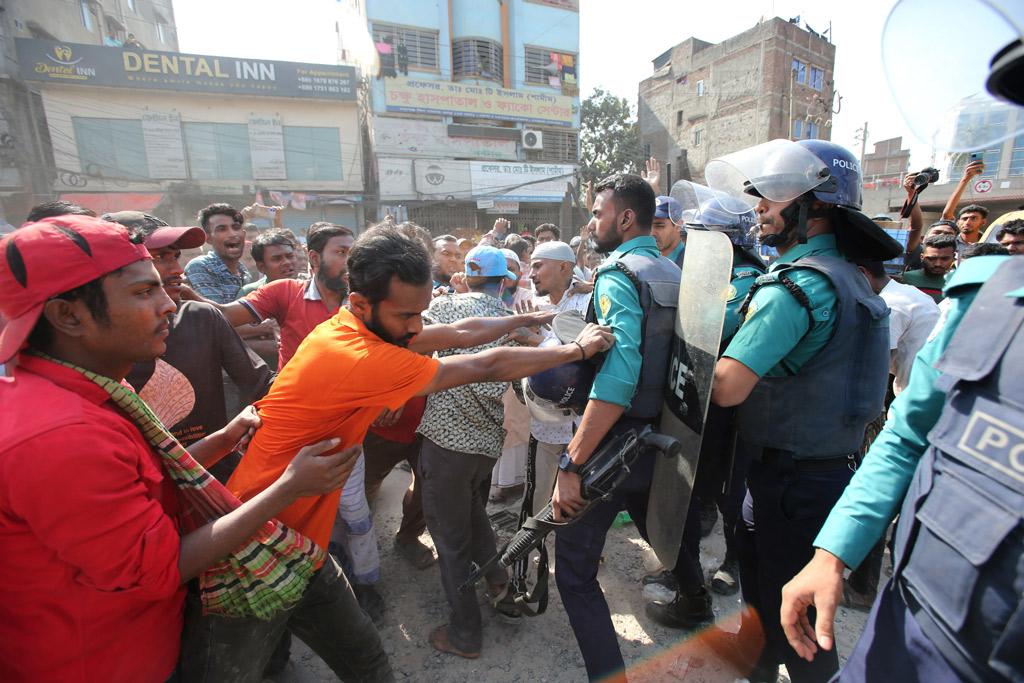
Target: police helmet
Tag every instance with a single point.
(554, 394)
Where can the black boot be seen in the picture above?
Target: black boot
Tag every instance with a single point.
(686, 611)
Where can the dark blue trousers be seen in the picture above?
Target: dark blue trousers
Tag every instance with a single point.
(784, 510)
(578, 549)
(893, 648)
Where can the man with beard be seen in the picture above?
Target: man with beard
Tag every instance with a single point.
(299, 306)
(635, 293)
(183, 386)
(219, 274)
(936, 261)
(365, 359)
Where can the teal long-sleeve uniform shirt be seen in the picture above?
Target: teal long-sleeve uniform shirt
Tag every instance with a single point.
(776, 337)
(876, 491)
(617, 304)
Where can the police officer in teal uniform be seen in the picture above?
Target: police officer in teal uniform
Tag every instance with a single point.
(719, 482)
(635, 293)
(949, 459)
(806, 370)
(667, 229)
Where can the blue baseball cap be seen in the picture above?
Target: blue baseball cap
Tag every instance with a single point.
(666, 207)
(487, 261)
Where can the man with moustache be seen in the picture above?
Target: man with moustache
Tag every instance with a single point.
(219, 275)
(812, 330)
(183, 386)
(665, 232)
(366, 358)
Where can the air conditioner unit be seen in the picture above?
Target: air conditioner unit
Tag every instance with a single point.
(533, 139)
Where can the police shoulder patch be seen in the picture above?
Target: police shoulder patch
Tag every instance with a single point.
(605, 303)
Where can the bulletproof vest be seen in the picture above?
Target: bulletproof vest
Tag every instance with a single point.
(657, 283)
(822, 410)
(960, 541)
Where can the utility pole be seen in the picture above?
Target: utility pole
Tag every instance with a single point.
(862, 136)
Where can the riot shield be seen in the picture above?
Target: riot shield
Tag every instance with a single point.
(703, 292)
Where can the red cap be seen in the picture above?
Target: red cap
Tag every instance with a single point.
(41, 260)
(158, 233)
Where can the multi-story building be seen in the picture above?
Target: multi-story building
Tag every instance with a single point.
(142, 129)
(704, 100)
(26, 159)
(1000, 188)
(883, 171)
(475, 109)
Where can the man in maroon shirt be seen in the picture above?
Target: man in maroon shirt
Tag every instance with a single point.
(92, 580)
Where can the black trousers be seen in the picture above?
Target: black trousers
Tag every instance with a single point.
(783, 512)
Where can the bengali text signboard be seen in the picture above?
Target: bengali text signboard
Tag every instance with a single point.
(489, 102)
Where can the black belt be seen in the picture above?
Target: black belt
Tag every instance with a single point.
(778, 458)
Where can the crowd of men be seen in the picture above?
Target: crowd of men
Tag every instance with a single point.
(190, 452)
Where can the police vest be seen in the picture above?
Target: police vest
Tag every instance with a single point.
(657, 284)
(822, 410)
(959, 545)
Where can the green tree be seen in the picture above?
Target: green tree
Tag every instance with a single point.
(609, 136)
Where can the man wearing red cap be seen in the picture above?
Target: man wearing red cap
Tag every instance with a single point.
(98, 526)
(183, 386)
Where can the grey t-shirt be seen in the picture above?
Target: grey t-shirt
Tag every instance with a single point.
(184, 387)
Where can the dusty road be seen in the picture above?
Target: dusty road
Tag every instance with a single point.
(542, 649)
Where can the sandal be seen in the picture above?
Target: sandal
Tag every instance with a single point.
(439, 639)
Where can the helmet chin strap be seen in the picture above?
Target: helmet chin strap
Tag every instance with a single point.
(794, 219)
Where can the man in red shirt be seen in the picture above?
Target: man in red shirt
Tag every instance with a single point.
(92, 581)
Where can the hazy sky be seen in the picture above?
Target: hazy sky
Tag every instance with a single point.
(618, 40)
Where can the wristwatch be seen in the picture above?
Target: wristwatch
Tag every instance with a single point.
(566, 464)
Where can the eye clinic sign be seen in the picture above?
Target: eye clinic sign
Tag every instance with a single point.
(51, 61)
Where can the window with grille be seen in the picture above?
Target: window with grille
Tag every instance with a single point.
(559, 145)
(550, 67)
(112, 148)
(421, 44)
(312, 153)
(477, 58)
(218, 150)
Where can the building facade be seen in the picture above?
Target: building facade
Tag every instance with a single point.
(475, 110)
(169, 132)
(26, 157)
(704, 100)
(1000, 187)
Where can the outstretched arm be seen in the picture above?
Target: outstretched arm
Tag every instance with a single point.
(474, 331)
(505, 364)
(234, 312)
(973, 169)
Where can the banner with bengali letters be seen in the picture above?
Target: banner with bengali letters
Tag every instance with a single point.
(484, 101)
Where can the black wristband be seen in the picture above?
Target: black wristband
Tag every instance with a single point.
(582, 350)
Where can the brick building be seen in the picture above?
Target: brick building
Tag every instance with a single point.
(704, 100)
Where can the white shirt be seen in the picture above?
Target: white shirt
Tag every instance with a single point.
(547, 432)
(912, 316)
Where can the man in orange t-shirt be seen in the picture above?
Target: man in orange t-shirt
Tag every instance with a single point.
(349, 369)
